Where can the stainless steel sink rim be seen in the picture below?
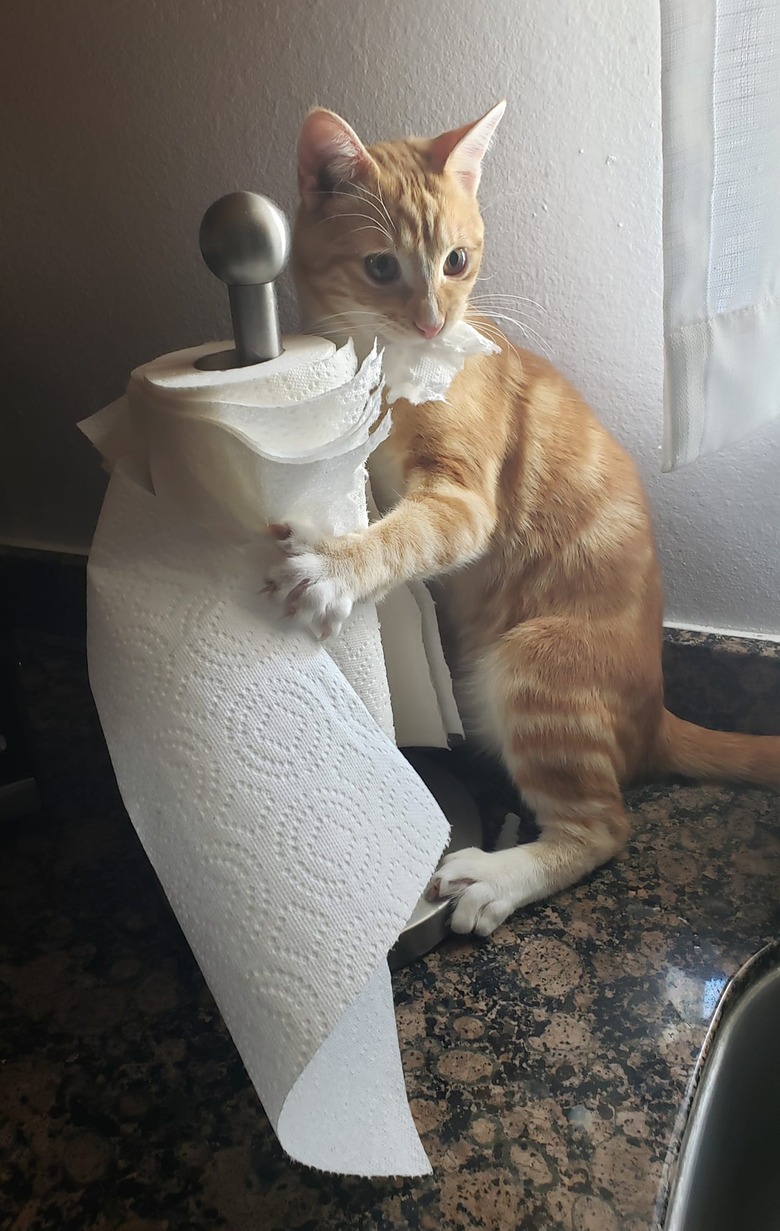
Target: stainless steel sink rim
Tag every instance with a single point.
(750, 976)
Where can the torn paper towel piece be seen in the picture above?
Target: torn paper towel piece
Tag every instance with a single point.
(420, 371)
(290, 836)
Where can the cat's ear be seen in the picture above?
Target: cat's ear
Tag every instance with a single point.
(462, 151)
(329, 152)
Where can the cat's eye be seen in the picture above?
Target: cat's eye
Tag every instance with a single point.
(455, 262)
(382, 267)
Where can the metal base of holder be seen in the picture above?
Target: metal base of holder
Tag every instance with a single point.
(219, 361)
(429, 924)
(224, 360)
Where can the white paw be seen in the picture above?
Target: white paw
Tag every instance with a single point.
(304, 584)
(479, 887)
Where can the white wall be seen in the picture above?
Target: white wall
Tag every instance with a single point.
(125, 118)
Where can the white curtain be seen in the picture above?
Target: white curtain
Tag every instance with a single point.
(721, 144)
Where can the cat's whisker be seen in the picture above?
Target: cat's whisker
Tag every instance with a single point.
(505, 298)
(496, 310)
(492, 333)
(379, 199)
(375, 227)
(375, 204)
(347, 320)
(530, 334)
(536, 340)
(384, 207)
(522, 311)
(348, 328)
(499, 339)
(337, 192)
(339, 323)
(527, 331)
(373, 224)
(338, 334)
(352, 312)
(508, 295)
(500, 311)
(490, 327)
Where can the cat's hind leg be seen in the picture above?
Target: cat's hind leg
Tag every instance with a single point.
(547, 705)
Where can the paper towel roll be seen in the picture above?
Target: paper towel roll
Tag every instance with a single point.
(291, 837)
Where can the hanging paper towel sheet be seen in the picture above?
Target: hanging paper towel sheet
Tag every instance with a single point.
(290, 836)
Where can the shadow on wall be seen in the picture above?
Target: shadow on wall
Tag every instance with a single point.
(123, 122)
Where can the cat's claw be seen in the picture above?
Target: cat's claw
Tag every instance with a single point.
(303, 584)
(472, 880)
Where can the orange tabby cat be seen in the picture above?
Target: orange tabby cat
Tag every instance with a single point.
(512, 493)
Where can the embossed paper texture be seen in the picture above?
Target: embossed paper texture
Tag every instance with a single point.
(291, 837)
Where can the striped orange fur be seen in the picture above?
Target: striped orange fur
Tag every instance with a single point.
(517, 500)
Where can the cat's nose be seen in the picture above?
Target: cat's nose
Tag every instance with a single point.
(429, 331)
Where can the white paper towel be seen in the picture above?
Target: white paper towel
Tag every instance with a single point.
(291, 837)
(420, 371)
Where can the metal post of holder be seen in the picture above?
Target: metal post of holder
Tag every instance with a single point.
(245, 241)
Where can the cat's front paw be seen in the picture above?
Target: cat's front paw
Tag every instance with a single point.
(475, 882)
(305, 583)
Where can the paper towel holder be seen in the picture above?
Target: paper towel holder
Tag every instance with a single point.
(245, 241)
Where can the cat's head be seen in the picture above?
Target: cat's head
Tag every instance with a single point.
(388, 238)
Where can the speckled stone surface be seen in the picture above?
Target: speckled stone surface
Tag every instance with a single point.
(546, 1067)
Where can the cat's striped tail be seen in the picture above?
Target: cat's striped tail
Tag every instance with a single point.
(697, 752)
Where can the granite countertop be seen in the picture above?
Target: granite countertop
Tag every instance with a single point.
(546, 1067)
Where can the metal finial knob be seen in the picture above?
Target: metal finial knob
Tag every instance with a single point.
(245, 241)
